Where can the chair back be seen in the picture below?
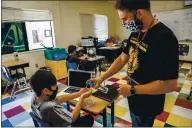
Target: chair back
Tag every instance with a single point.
(38, 122)
(72, 66)
(6, 73)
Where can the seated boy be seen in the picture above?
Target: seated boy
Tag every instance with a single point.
(48, 107)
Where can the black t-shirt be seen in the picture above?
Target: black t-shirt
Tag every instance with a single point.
(155, 59)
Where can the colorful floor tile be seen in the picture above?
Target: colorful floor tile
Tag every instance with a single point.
(181, 111)
(163, 116)
(184, 103)
(177, 109)
(122, 123)
(173, 94)
(158, 123)
(100, 120)
(6, 95)
(178, 121)
(6, 123)
(169, 102)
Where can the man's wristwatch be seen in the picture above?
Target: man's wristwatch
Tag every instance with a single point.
(132, 90)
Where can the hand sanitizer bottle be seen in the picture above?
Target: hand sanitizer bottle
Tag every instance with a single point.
(89, 101)
(98, 72)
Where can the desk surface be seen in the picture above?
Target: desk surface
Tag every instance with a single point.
(186, 66)
(91, 58)
(109, 48)
(97, 108)
(11, 63)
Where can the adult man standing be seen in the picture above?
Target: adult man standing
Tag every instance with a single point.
(152, 57)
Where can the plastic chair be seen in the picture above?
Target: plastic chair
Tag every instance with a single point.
(38, 122)
(72, 66)
(13, 79)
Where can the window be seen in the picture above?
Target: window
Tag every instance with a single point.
(100, 27)
(26, 36)
(13, 37)
(94, 25)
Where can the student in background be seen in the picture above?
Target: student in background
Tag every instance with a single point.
(49, 108)
(82, 64)
(73, 58)
(72, 54)
(153, 62)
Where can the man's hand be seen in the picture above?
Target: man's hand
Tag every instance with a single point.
(124, 90)
(96, 81)
(86, 94)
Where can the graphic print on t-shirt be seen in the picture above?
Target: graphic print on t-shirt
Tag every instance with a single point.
(133, 62)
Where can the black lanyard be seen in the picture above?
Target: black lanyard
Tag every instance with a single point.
(139, 42)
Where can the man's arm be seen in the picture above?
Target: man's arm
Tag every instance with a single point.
(117, 65)
(152, 88)
(157, 87)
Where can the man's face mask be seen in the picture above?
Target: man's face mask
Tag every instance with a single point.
(134, 25)
(53, 96)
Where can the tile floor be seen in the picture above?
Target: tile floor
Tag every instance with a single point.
(177, 110)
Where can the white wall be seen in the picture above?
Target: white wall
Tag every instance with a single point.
(66, 23)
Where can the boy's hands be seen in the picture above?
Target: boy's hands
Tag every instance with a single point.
(83, 90)
(86, 94)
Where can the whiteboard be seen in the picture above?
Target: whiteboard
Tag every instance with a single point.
(188, 2)
(179, 21)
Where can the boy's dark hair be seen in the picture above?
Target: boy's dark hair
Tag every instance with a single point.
(130, 5)
(42, 79)
(71, 48)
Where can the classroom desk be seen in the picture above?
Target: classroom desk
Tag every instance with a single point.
(99, 108)
(96, 60)
(15, 65)
(111, 53)
(91, 59)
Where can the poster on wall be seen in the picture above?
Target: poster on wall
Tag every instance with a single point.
(37, 36)
(39, 33)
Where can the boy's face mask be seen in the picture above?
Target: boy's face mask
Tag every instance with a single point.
(53, 96)
(134, 25)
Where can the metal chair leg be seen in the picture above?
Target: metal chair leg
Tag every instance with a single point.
(19, 84)
(12, 92)
(26, 85)
(6, 87)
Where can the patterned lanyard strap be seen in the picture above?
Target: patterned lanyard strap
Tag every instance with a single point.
(139, 42)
